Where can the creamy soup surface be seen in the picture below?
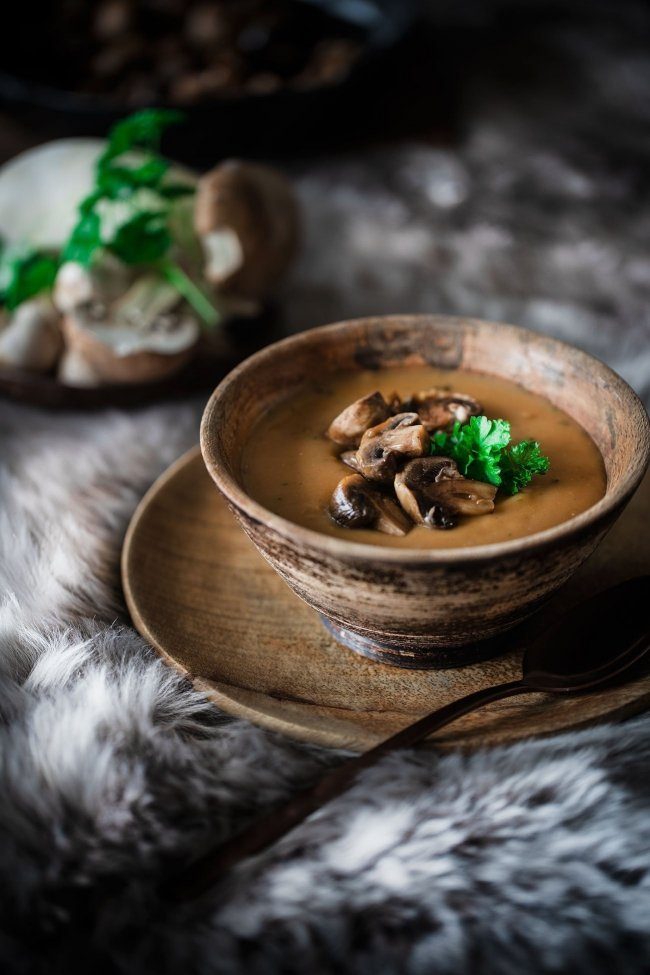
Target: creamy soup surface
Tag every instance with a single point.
(291, 468)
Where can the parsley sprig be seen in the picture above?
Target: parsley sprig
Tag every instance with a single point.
(130, 211)
(24, 273)
(483, 451)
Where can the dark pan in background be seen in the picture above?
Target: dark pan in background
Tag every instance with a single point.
(359, 104)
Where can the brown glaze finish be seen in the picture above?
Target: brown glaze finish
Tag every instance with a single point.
(413, 604)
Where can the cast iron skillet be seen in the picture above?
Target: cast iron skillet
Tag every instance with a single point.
(259, 124)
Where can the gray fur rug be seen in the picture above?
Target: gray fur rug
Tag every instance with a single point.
(530, 858)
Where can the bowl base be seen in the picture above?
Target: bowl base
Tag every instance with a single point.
(413, 657)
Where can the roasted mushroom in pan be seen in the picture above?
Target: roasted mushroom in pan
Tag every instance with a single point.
(385, 446)
(350, 425)
(358, 504)
(432, 492)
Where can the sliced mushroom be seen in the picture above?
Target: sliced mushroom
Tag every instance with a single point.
(247, 218)
(385, 446)
(104, 282)
(438, 408)
(357, 504)
(433, 493)
(351, 424)
(395, 403)
(144, 336)
(31, 338)
(349, 458)
(74, 370)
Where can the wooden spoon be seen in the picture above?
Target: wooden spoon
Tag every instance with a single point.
(596, 643)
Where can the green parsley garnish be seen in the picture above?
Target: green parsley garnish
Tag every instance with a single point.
(520, 463)
(482, 450)
(131, 210)
(24, 273)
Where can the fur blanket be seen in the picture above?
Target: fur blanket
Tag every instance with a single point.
(533, 857)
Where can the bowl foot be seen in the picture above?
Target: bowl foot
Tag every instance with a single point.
(417, 658)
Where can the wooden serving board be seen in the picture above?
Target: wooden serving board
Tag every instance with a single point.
(234, 342)
(48, 393)
(202, 596)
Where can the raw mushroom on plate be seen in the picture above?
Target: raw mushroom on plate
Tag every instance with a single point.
(144, 335)
(30, 336)
(246, 217)
(232, 239)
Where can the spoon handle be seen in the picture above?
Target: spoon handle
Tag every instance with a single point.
(204, 872)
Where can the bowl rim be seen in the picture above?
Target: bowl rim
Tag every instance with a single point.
(351, 550)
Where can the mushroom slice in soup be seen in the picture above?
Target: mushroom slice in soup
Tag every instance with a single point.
(350, 425)
(395, 402)
(438, 408)
(349, 458)
(433, 492)
(356, 503)
(385, 446)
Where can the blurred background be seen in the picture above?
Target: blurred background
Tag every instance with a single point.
(476, 157)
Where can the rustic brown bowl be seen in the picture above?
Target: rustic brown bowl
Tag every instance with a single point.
(427, 608)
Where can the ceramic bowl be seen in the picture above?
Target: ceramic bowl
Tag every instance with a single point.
(427, 608)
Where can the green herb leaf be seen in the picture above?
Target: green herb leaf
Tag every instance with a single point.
(24, 273)
(117, 182)
(481, 450)
(476, 447)
(192, 293)
(144, 236)
(143, 239)
(131, 211)
(85, 238)
(520, 463)
(174, 191)
(142, 130)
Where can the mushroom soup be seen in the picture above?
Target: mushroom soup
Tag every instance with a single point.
(364, 456)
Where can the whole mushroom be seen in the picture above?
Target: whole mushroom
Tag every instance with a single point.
(40, 190)
(433, 492)
(246, 216)
(356, 503)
